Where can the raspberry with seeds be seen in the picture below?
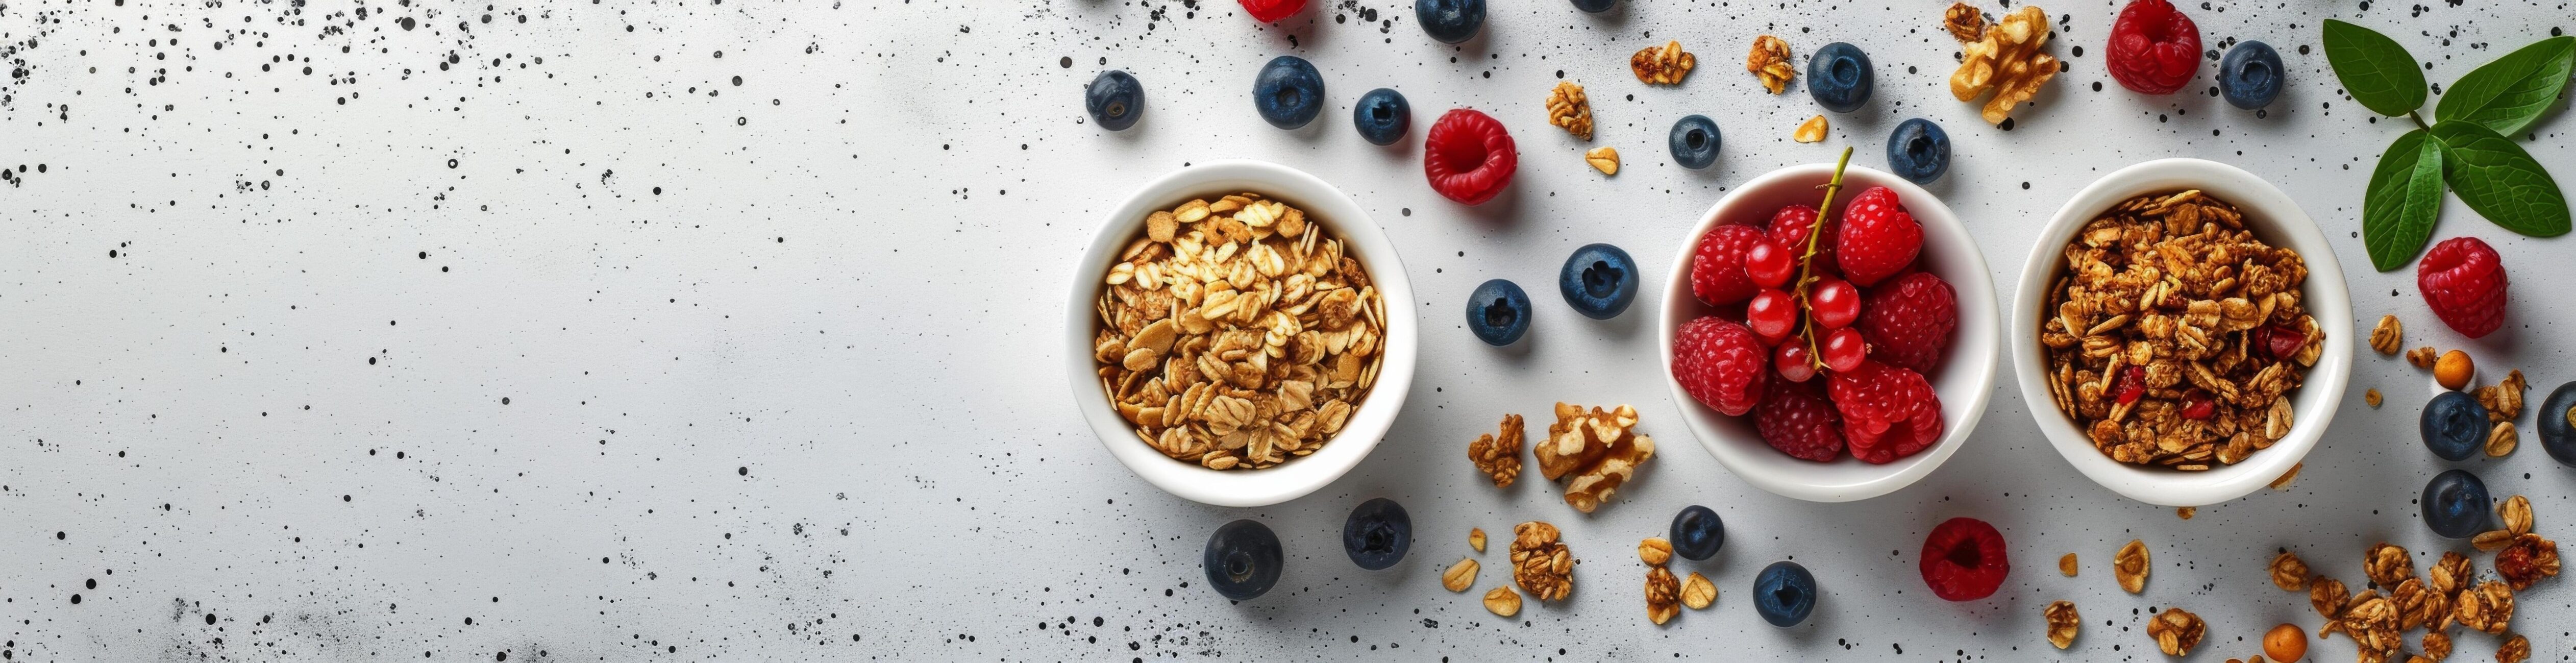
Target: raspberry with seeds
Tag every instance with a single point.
(1717, 268)
(1798, 421)
(1888, 412)
(1789, 227)
(1720, 364)
(2463, 281)
(1908, 321)
(1901, 439)
(1878, 237)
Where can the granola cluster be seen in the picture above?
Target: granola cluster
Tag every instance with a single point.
(2176, 631)
(1769, 62)
(1499, 457)
(2063, 622)
(1592, 452)
(2447, 594)
(2178, 335)
(1236, 334)
(1568, 109)
(1662, 65)
(1541, 563)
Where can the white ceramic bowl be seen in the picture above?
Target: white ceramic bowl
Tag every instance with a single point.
(1964, 381)
(2276, 220)
(1362, 240)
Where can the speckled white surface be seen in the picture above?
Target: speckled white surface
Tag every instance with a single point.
(777, 354)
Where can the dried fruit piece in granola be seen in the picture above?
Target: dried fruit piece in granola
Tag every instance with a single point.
(1540, 562)
(2176, 631)
(2130, 566)
(2526, 560)
(2063, 622)
(1500, 457)
(1769, 61)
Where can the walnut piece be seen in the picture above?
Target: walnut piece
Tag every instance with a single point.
(2387, 565)
(1810, 131)
(1662, 65)
(1769, 61)
(1541, 564)
(1698, 592)
(2177, 631)
(2487, 607)
(1460, 576)
(1500, 457)
(2130, 566)
(2515, 649)
(2327, 595)
(2289, 572)
(2066, 565)
(1604, 158)
(1568, 109)
(1965, 24)
(1654, 551)
(2063, 622)
(2006, 61)
(1503, 601)
(2389, 336)
(2422, 357)
(2526, 560)
(1663, 594)
(1593, 453)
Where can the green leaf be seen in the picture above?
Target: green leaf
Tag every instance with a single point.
(2404, 198)
(2499, 180)
(2374, 69)
(2507, 94)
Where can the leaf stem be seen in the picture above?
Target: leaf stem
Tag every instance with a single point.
(1807, 261)
(2419, 121)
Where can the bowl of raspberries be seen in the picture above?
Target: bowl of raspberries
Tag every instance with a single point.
(1831, 354)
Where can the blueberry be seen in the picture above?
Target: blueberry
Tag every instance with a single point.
(1450, 21)
(2557, 431)
(1595, 6)
(1242, 559)
(1114, 99)
(1698, 533)
(1598, 281)
(1382, 116)
(2455, 504)
(1377, 534)
(1784, 594)
(1694, 142)
(2250, 75)
(1289, 92)
(1919, 151)
(2453, 425)
(1838, 76)
(1498, 312)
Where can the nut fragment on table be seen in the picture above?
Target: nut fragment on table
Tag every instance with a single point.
(1769, 62)
(2129, 566)
(2389, 336)
(2487, 607)
(2503, 400)
(1662, 65)
(1593, 453)
(2186, 512)
(1476, 538)
(2327, 595)
(1540, 562)
(1663, 594)
(2526, 560)
(2289, 572)
(2177, 335)
(2005, 61)
(1604, 158)
(2176, 631)
(2422, 357)
(2063, 622)
(1698, 592)
(2370, 396)
(1499, 457)
(1568, 109)
(1236, 334)
(1964, 22)
(1654, 551)
(2515, 649)
(2387, 564)
(2066, 565)
(1503, 601)
(1460, 576)
(1810, 131)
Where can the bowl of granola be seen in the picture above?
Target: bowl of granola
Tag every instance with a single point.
(1229, 334)
(2183, 333)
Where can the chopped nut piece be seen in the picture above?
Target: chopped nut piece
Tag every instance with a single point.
(2515, 649)
(2487, 607)
(2283, 483)
(2503, 399)
(1459, 576)
(2186, 512)
(1593, 453)
(2066, 565)
(2177, 631)
(2454, 369)
(1698, 592)
(1965, 24)
(2130, 566)
(2387, 565)
(1654, 551)
(2516, 514)
(2063, 622)
(1503, 601)
(2422, 357)
(2370, 396)
(2501, 440)
(1540, 562)
(1810, 131)
(2327, 595)
(1663, 594)
(1604, 158)
(1476, 538)
(1568, 109)
(2006, 61)
(2289, 572)
(1769, 61)
(2437, 645)
(2525, 561)
(1662, 65)
(1500, 457)
(2389, 336)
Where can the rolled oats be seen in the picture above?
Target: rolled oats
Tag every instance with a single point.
(2327, 595)
(1237, 334)
(1476, 538)
(1540, 562)
(2006, 61)
(2422, 357)
(1964, 22)
(2387, 565)
(1604, 158)
(1810, 131)
(2176, 631)
(1698, 592)
(2487, 607)
(2066, 565)
(1654, 551)
(1593, 453)
(1662, 65)
(2417, 605)
(2437, 644)
(2515, 649)
(2501, 440)
(1663, 594)
(1500, 457)
(2446, 577)
(2526, 560)
(1460, 576)
(2130, 566)
(2491, 540)
(1769, 61)
(2516, 514)
(1503, 601)
(2162, 345)
(2372, 621)
(2389, 336)
(2289, 572)
(2063, 622)
(1568, 109)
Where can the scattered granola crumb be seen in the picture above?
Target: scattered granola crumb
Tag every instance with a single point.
(2289, 572)
(1540, 562)
(1698, 592)
(1654, 551)
(1965, 23)
(2371, 396)
(1604, 158)
(2063, 622)
(1459, 576)
(2129, 566)
(1499, 457)
(2503, 400)
(2516, 649)
(2389, 336)
(2501, 440)
(1502, 601)
(2422, 357)
(1769, 62)
(2176, 631)
(2066, 565)
(2186, 512)
(1810, 131)
(1662, 65)
(1568, 109)
(1663, 594)
(1476, 538)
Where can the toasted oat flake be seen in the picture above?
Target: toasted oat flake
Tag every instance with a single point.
(2289, 572)
(2186, 512)
(1460, 576)
(2129, 566)
(1503, 601)
(2176, 631)
(1698, 592)
(2516, 514)
(1810, 131)
(2501, 440)
(1604, 158)
(1654, 551)
(2063, 623)
(1476, 538)
(2066, 564)
(2389, 336)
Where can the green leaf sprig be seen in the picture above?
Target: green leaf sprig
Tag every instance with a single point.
(2466, 149)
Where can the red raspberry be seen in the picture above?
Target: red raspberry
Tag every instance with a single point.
(1798, 421)
(1719, 364)
(2154, 48)
(1908, 321)
(1904, 438)
(1878, 237)
(2463, 280)
(1964, 559)
(1789, 227)
(1717, 268)
(1267, 11)
(1888, 412)
(1468, 156)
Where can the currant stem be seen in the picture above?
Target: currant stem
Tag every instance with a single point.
(1807, 263)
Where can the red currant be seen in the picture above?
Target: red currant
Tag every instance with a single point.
(1844, 349)
(1835, 302)
(1768, 264)
(2131, 384)
(1771, 314)
(1792, 361)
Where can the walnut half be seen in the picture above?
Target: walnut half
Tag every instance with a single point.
(2289, 572)
(1662, 65)
(1568, 109)
(2007, 62)
(1592, 452)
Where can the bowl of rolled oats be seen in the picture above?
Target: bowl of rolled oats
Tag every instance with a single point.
(2183, 332)
(1230, 337)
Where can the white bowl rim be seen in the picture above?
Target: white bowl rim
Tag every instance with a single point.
(2277, 219)
(1968, 372)
(1362, 239)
